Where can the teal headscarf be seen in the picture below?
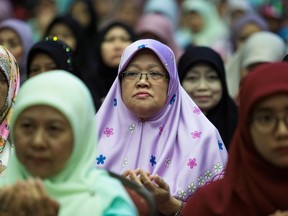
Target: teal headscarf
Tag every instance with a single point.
(80, 188)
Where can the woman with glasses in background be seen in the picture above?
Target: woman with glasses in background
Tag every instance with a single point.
(256, 178)
(151, 131)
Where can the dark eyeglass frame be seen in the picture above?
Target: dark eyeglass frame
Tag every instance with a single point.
(270, 126)
(155, 76)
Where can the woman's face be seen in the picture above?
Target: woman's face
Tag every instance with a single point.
(269, 129)
(3, 89)
(113, 45)
(63, 33)
(195, 21)
(43, 140)
(245, 32)
(40, 63)
(203, 85)
(11, 40)
(80, 12)
(144, 96)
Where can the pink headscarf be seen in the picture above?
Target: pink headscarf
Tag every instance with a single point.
(179, 143)
(9, 67)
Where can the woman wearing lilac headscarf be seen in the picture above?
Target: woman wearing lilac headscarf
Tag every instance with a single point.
(16, 35)
(151, 131)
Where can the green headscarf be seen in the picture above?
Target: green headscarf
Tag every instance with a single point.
(80, 188)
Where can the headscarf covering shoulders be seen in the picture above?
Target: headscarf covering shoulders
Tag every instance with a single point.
(78, 182)
(179, 137)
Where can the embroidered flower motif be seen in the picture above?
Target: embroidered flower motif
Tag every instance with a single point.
(220, 145)
(172, 99)
(167, 162)
(196, 110)
(141, 46)
(125, 162)
(100, 159)
(182, 194)
(208, 174)
(196, 134)
(153, 160)
(115, 102)
(218, 167)
(191, 187)
(108, 131)
(132, 128)
(200, 180)
(192, 163)
(160, 130)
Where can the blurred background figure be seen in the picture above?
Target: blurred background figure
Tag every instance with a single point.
(244, 27)
(9, 86)
(83, 12)
(68, 30)
(113, 38)
(6, 10)
(16, 35)
(50, 54)
(259, 48)
(41, 13)
(126, 11)
(204, 25)
(161, 30)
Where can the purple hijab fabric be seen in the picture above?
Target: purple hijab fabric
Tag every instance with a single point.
(178, 143)
(26, 36)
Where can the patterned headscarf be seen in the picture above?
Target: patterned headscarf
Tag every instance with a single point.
(9, 67)
(179, 143)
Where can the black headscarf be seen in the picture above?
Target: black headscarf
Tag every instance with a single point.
(106, 73)
(84, 54)
(224, 115)
(60, 52)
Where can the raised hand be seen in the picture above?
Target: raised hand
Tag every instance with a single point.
(27, 198)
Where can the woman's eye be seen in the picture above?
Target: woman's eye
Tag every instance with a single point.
(26, 126)
(212, 77)
(191, 78)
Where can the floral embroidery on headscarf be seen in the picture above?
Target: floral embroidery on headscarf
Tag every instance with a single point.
(196, 110)
(115, 102)
(125, 162)
(167, 162)
(153, 160)
(108, 131)
(192, 163)
(9, 67)
(196, 134)
(132, 128)
(101, 159)
(173, 99)
(160, 130)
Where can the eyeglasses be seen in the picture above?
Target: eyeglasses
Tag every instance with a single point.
(131, 75)
(268, 122)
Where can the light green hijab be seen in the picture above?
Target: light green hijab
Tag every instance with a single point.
(80, 188)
